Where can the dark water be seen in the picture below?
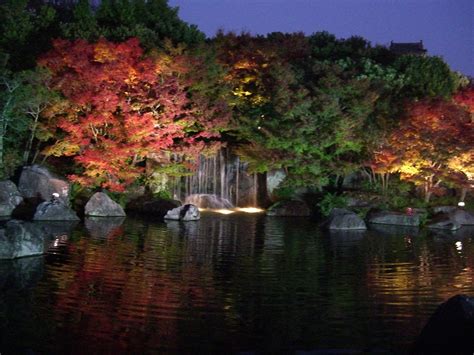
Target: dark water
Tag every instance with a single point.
(229, 284)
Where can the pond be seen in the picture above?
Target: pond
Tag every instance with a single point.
(239, 283)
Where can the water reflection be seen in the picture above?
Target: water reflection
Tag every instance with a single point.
(236, 283)
(103, 227)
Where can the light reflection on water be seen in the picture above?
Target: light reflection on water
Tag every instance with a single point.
(230, 283)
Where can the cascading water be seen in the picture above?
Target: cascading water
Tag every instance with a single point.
(220, 181)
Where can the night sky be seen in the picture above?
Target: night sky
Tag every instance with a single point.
(445, 26)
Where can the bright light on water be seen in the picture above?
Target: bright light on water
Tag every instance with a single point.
(224, 211)
(250, 209)
(458, 246)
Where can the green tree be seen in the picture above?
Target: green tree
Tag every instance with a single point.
(426, 77)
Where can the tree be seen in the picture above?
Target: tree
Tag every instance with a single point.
(428, 142)
(124, 107)
(25, 32)
(426, 77)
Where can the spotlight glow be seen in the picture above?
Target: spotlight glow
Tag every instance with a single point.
(461, 204)
(224, 211)
(249, 209)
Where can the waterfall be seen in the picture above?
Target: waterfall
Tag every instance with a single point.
(219, 178)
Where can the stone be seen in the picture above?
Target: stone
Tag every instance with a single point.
(208, 201)
(38, 181)
(10, 197)
(394, 218)
(151, 207)
(462, 217)
(54, 211)
(184, 213)
(101, 205)
(444, 209)
(290, 208)
(443, 221)
(19, 239)
(343, 219)
(450, 330)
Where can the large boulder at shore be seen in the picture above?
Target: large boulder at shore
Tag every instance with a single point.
(151, 207)
(101, 205)
(290, 208)
(184, 213)
(38, 181)
(444, 209)
(444, 222)
(54, 211)
(450, 330)
(343, 219)
(21, 239)
(10, 197)
(394, 218)
(462, 217)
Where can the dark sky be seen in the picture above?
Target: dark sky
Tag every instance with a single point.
(445, 26)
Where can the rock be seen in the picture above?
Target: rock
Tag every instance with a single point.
(450, 330)
(101, 205)
(357, 202)
(290, 208)
(21, 239)
(151, 207)
(394, 218)
(9, 197)
(184, 213)
(353, 181)
(341, 218)
(54, 211)
(38, 181)
(443, 221)
(208, 201)
(444, 209)
(103, 227)
(462, 217)
(27, 208)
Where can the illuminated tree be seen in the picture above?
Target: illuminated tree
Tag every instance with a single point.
(123, 108)
(431, 143)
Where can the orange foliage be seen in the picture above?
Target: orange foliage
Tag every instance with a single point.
(124, 106)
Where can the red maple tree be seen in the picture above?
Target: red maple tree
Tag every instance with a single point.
(431, 135)
(123, 107)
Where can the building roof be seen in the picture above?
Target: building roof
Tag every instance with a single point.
(408, 48)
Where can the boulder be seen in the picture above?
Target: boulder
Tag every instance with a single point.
(19, 239)
(462, 217)
(444, 209)
(450, 330)
(394, 218)
(151, 207)
(10, 197)
(290, 208)
(38, 181)
(184, 213)
(101, 205)
(443, 221)
(54, 211)
(343, 219)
